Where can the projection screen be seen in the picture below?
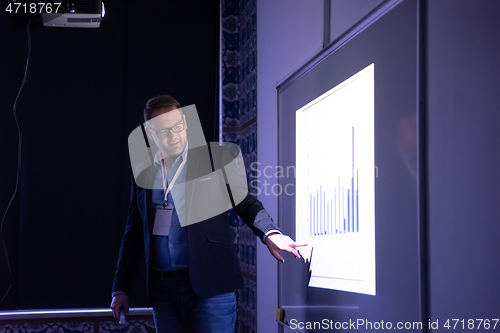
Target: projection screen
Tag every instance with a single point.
(348, 129)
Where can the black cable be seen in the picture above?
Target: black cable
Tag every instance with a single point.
(19, 146)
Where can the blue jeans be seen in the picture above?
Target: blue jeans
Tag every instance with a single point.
(177, 309)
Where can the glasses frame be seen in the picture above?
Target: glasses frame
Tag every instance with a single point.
(169, 129)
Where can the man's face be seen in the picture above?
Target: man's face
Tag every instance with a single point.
(162, 127)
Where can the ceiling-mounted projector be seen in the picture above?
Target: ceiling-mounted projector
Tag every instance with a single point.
(75, 14)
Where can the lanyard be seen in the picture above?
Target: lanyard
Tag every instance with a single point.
(177, 173)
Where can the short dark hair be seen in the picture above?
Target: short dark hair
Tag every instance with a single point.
(158, 103)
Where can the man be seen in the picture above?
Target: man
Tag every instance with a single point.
(192, 268)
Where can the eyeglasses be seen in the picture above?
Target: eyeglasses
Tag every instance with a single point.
(175, 129)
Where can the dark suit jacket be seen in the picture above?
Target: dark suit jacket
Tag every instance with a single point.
(213, 263)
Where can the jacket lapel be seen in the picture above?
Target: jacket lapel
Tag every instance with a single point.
(147, 198)
(192, 166)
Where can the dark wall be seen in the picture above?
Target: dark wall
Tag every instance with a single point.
(84, 94)
(464, 159)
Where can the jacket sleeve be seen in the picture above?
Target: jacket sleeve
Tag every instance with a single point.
(132, 247)
(249, 208)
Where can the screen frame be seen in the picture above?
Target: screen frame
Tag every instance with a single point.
(355, 305)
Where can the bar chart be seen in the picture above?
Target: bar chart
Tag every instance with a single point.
(335, 184)
(336, 212)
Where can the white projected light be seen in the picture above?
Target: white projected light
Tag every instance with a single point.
(335, 198)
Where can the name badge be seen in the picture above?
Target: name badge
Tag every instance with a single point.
(163, 220)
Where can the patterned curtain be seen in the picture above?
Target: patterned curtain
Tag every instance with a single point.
(239, 125)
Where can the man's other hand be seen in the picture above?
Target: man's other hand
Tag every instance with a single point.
(278, 242)
(120, 301)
